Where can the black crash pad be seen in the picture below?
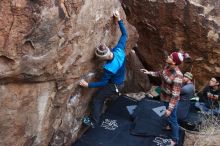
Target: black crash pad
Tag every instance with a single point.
(115, 127)
(148, 115)
(192, 122)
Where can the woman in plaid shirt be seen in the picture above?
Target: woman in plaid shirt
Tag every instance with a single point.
(171, 77)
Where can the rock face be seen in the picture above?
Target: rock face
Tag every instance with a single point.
(136, 81)
(46, 47)
(190, 25)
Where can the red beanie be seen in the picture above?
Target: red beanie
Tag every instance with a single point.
(177, 57)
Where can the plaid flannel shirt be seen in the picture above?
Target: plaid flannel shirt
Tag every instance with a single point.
(171, 85)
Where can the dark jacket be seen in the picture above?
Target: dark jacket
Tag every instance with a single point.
(186, 93)
(210, 102)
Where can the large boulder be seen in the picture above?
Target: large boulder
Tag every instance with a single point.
(46, 47)
(190, 25)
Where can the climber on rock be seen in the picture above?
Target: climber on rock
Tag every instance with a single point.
(172, 79)
(113, 78)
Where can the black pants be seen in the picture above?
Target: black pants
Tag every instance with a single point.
(103, 94)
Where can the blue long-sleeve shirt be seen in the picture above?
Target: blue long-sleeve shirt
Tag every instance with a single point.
(114, 70)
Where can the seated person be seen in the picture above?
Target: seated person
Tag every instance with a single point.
(208, 99)
(187, 92)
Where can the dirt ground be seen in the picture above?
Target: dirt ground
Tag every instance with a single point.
(209, 138)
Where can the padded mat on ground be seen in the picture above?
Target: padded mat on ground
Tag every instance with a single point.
(114, 129)
(148, 115)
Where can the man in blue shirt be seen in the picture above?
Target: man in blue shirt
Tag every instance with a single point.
(186, 93)
(114, 71)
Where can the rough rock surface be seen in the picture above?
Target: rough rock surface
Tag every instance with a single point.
(136, 81)
(46, 47)
(190, 25)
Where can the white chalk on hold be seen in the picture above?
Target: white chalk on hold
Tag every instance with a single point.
(152, 0)
(169, 1)
(132, 51)
(74, 99)
(89, 75)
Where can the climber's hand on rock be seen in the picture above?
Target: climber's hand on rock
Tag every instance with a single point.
(116, 15)
(83, 83)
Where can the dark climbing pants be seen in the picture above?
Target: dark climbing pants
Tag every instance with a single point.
(103, 94)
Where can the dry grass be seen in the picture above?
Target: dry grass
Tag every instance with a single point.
(209, 134)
